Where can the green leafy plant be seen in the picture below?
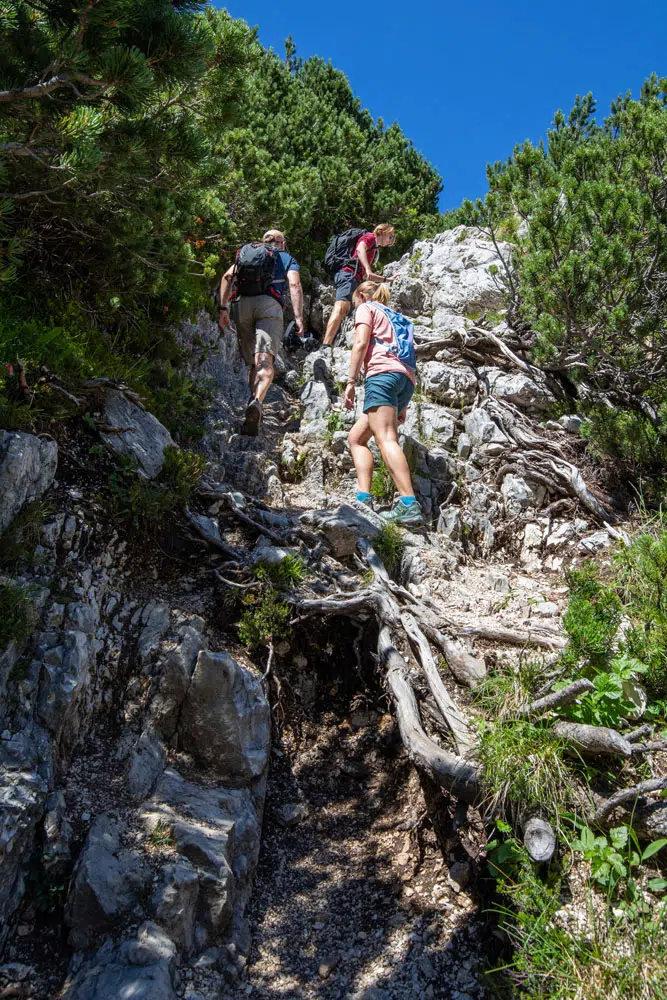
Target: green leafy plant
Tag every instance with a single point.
(162, 835)
(143, 503)
(334, 422)
(614, 857)
(607, 704)
(283, 575)
(265, 618)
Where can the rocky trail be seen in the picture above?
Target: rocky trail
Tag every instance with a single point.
(206, 818)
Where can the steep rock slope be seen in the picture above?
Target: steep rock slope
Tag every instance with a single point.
(136, 730)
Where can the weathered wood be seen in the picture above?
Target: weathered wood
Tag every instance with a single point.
(512, 637)
(593, 740)
(557, 699)
(627, 797)
(450, 711)
(449, 771)
(467, 669)
(539, 839)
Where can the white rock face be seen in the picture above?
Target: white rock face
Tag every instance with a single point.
(518, 389)
(450, 274)
(449, 384)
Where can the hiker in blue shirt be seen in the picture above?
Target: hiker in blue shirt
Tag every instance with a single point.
(254, 287)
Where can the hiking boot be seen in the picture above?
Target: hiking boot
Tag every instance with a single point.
(405, 517)
(368, 502)
(253, 418)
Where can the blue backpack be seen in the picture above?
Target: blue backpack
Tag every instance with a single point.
(404, 335)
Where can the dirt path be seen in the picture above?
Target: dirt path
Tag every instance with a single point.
(354, 900)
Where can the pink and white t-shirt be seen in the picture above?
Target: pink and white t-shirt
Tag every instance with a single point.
(378, 360)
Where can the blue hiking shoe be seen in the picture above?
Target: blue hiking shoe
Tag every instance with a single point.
(368, 502)
(411, 516)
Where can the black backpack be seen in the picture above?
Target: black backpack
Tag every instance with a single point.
(339, 251)
(255, 269)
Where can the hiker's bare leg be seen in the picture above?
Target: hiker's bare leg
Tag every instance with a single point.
(338, 314)
(263, 375)
(362, 456)
(383, 424)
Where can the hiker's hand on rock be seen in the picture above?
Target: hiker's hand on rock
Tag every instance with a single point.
(224, 321)
(349, 396)
(301, 327)
(402, 415)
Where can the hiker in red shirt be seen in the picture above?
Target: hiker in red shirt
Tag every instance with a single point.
(359, 269)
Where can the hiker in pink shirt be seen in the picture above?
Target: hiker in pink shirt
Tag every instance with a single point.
(388, 388)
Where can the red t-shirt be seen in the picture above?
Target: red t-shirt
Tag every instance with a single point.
(372, 250)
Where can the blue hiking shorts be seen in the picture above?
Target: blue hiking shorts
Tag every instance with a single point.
(346, 284)
(388, 389)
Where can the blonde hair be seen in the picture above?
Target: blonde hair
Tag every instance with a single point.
(384, 227)
(272, 234)
(371, 289)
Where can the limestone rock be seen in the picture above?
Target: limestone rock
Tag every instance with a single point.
(104, 885)
(174, 902)
(111, 974)
(343, 526)
(217, 830)
(147, 764)
(449, 384)
(481, 429)
(225, 720)
(136, 433)
(25, 772)
(155, 621)
(519, 495)
(65, 679)
(518, 389)
(177, 669)
(27, 467)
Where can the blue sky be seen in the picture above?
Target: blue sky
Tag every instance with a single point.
(468, 80)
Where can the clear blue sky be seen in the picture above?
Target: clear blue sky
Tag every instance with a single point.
(468, 80)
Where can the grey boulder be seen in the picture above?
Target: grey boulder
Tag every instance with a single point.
(343, 527)
(225, 719)
(134, 432)
(27, 467)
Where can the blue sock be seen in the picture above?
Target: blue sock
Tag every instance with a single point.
(408, 501)
(361, 496)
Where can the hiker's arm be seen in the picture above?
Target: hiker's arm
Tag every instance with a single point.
(225, 291)
(296, 295)
(362, 335)
(362, 255)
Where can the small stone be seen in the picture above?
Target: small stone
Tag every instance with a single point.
(291, 814)
(459, 875)
(326, 968)
(23, 930)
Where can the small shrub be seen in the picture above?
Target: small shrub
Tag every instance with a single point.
(288, 573)
(390, 547)
(143, 503)
(17, 614)
(265, 618)
(592, 618)
(614, 858)
(19, 540)
(382, 485)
